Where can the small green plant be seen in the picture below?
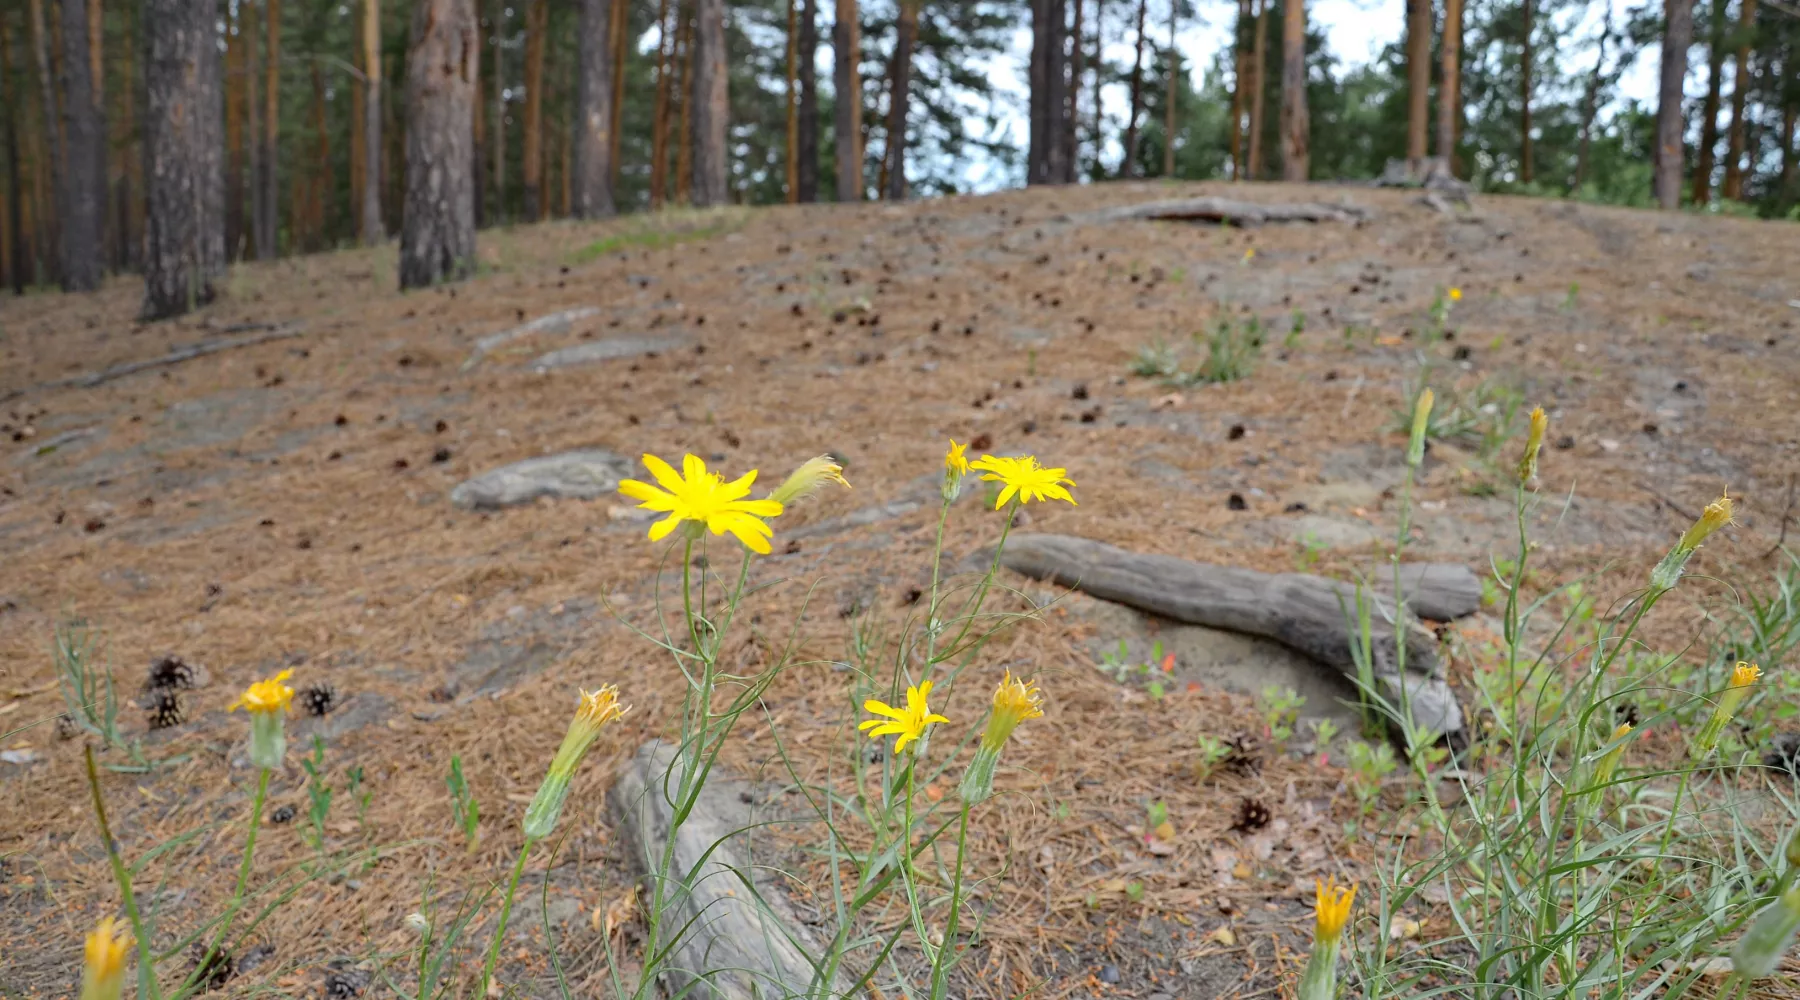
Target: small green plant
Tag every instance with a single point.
(1324, 731)
(353, 786)
(1156, 360)
(1442, 303)
(1311, 551)
(1569, 299)
(1213, 752)
(1370, 764)
(1231, 351)
(86, 681)
(318, 793)
(1281, 710)
(463, 805)
(1119, 665)
(1296, 327)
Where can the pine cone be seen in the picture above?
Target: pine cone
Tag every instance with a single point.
(169, 673)
(1252, 814)
(1242, 755)
(216, 972)
(318, 698)
(166, 708)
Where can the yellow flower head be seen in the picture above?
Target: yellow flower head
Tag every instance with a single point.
(1250, 254)
(267, 696)
(1620, 732)
(600, 707)
(806, 480)
(597, 708)
(1534, 442)
(1015, 701)
(103, 972)
(955, 461)
(907, 723)
(1609, 761)
(1023, 477)
(705, 500)
(1421, 420)
(1745, 674)
(1332, 905)
(1716, 515)
(1455, 294)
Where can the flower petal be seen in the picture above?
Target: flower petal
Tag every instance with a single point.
(882, 708)
(663, 473)
(661, 529)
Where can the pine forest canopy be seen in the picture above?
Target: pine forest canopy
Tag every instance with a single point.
(326, 123)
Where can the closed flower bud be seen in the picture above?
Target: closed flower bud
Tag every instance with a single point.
(1534, 442)
(417, 923)
(956, 466)
(1332, 907)
(1667, 573)
(597, 709)
(268, 702)
(1609, 761)
(1421, 419)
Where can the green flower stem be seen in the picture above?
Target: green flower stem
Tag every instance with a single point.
(243, 881)
(512, 885)
(931, 609)
(907, 871)
(147, 984)
(940, 969)
(988, 580)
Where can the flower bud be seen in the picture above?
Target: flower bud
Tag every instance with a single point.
(103, 968)
(1609, 761)
(1534, 442)
(1421, 419)
(1332, 906)
(1667, 573)
(956, 466)
(597, 709)
(808, 478)
(1743, 676)
(1015, 701)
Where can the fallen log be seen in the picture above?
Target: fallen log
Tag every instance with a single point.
(1309, 614)
(1233, 212)
(735, 944)
(200, 349)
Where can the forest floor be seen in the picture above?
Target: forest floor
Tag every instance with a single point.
(286, 505)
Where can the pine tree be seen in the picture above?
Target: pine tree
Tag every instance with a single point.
(184, 183)
(437, 234)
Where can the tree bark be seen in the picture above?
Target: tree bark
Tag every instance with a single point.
(846, 38)
(49, 221)
(184, 183)
(900, 82)
(807, 151)
(1240, 70)
(621, 31)
(1591, 104)
(1172, 89)
(1526, 157)
(236, 146)
(684, 131)
(712, 106)
(537, 21)
(1072, 131)
(102, 190)
(497, 131)
(659, 122)
(323, 184)
(1788, 115)
(593, 110)
(1678, 34)
(1296, 130)
(1418, 78)
(83, 265)
(437, 235)
(16, 253)
(1450, 83)
(478, 171)
(1709, 112)
(267, 238)
(791, 187)
(1259, 62)
(1129, 167)
(1741, 83)
(373, 231)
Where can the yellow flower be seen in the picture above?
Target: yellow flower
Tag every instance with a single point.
(1745, 674)
(1743, 677)
(1609, 762)
(1455, 294)
(1023, 477)
(806, 480)
(1332, 905)
(103, 972)
(1250, 254)
(907, 723)
(1015, 701)
(1534, 442)
(265, 696)
(596, 710)
(705, 500)
(955, 462)
(1716, 515)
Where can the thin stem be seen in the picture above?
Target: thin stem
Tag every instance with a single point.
(1674, 810)
(147, 984)
(512, 884)
(940, 970)
(906, 867)
(202, 967)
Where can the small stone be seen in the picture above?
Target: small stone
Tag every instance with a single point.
(1109, 974)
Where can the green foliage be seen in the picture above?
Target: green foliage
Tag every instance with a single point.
(1281, 710)
(318, 793)
(85, 680)
(463, 805)
(1370, 764)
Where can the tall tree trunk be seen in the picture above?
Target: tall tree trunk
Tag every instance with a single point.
(1171, 91)
(1129, 167)
(437, 232)
(659, 122)
(846, 40)
(497, 132)
(372, 228)
(1678, 35)
(125, 138)
(1239, 80)
(184, 184)
(537, 21)
(807, 151)
(1072, 131)
(83, 263)
(621, 37)
(1526, 58)
(15, 206)
(900, 83)
(236, 142)
(593, 110)
(1097, 139)
(1591, 104)
(1788, 116)
(267, 238)
(712, 105)
(792, 158)
(102, 190)
(1741, 82)
(1296, 130)
(684, 92)
(49, 222)
(1450, 82)
(1418, 77)
(478, 170)
(323, 183)
(253, 116)
(1709, 111)
(1259, 61)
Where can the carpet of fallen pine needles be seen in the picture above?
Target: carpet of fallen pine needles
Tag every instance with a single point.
(286, 506)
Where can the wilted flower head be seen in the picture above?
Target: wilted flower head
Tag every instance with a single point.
(103, 966)
(1743, 677)
(806, 480)
(1717, 515)
(597, 708)
(1609, 761)
(1534, 442)
(1015, 700)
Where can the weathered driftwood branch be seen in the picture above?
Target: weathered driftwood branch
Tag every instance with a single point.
(1233, 212)
(201, 349)
(741, 944)
(1309, 614)
(556, 322)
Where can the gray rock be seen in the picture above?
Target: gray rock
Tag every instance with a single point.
(607, 350)
(577, 475)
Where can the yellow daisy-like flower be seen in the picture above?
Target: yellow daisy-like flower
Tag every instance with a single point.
(1015, 700)
(1023, 477)
(103, 971)
(267, 696)
(1455, 294)
(806, 480)
(907, 723)
(1332, 905)
(955, 461)
(1717, 515)
(705, 500)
